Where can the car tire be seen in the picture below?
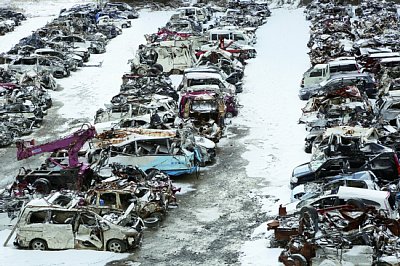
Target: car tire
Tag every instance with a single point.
(167, 117)
(38, 244)
(159, 67)
(151, 222)
(116, 245)
(157, 215)
(42, 185)
(298, 260)
(308, 147)
(310, 217)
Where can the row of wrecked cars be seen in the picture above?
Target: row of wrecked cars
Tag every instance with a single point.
(9, 19)
(103, 185)
(344, 201)
(30, 68)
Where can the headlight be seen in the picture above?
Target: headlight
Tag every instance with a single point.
(294, 179)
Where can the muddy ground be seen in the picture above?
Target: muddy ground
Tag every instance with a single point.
(211, 222)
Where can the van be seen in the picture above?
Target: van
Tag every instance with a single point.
(192, 12)
(230, 35)
(322, 72)
(171, 57)
(42, 226)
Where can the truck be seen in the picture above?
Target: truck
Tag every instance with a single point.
(75, 175)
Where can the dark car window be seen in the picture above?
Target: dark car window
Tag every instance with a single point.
(109, 199)
(38, 217)
(395, 106)
(29, 61)
(62, 217)
(316, 73)
(327, 202)
(126, 200)
(343, 68)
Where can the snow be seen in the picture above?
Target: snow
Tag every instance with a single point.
(103, 83)
(99, 84)
(271, 110)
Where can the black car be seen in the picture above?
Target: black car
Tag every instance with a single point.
(363, 81)
(384, 165)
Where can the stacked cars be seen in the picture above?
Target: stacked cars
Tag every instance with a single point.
(344, 198)
(56, 50)
(119, 174)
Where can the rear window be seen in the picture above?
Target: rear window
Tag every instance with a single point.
(316, 73)
(343, 68)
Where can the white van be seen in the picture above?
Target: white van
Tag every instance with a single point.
(322, 72)
(42, 227)
(196, 13)
(230, 35)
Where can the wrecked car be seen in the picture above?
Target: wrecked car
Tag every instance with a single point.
(42, 227)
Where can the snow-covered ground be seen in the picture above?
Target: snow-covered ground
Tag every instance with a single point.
(271, 109)
(82, 94)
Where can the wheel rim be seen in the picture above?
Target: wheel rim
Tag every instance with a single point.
(38, 245)
(141, 71)
(115, 247)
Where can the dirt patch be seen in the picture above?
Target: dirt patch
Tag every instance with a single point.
(211, 222)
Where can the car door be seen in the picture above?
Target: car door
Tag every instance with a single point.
(34, 226)
(59, 231)
(88, 230)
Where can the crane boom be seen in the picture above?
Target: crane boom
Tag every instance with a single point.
(73, 143)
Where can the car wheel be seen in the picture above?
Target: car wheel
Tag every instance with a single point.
(15, 133)
(308, 147)
(38, 244)
(116, 245)
(42, 185)
(141, 71)
(228, 115)
(157, 215)
(166, 118)
(159, 67)
(298, 260)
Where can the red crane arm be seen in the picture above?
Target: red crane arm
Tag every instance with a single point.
(73, 143)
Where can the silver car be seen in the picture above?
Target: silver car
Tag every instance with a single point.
(39, 64)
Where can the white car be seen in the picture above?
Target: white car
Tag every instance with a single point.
(39, 64)
(42, 227)
(378, 199)
(119, 23)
